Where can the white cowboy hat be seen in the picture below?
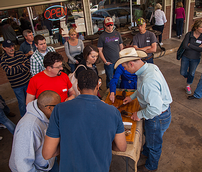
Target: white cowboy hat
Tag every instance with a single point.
(129, 54)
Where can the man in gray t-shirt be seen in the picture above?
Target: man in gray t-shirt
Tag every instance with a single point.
(109, 45)
(145, 40)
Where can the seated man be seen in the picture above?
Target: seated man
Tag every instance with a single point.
(26, 154)
(51, 79)
(86, 129)
(128, 81)
(145, 40)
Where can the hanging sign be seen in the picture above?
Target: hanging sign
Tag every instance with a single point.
(55, 12)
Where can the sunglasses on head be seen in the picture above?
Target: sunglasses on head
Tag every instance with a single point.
(109, 25)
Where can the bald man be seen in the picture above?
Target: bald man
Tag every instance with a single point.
(29, 135)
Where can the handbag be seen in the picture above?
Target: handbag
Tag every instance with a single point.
(79, 57)
(181, 50)
(153, 20)
(74, 80)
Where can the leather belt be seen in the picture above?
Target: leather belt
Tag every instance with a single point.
(147, 58)
(164, 111)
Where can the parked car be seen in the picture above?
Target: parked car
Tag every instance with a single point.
(94, 8)
(120, 16)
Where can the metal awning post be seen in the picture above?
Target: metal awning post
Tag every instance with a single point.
(29, 10)
(131, 13)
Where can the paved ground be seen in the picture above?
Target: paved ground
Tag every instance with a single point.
(182, 148)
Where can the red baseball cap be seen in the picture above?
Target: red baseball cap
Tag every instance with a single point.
(108, 21)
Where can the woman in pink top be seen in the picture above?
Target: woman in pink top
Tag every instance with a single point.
(180, 18)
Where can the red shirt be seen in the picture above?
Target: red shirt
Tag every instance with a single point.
(41, 82)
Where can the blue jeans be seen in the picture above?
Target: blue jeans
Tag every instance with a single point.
(20, 93)
(159, 28)
(154, 130)
(198, 91)
(7, 122)
(109, 70)
(179, 26)
(3, 118)
(190, 64)
(72, 66)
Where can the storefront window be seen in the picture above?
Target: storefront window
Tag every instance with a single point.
(53, 21)
(119, 10)
(198, 8)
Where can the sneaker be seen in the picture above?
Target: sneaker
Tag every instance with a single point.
(178, 37)
(188, 90)
(2, 126)
(161, 43)
(1, 138)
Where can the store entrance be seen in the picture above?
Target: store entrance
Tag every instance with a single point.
(173, 33)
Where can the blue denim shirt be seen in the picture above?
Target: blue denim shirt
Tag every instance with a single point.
(152, 92)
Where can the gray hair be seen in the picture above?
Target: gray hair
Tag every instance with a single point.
(25, 32)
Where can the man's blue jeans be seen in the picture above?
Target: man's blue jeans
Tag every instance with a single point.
(190, 64)
(154, 130)
(72, 66)
(3, 118)
(109, 70)
(198, 91)
(7, 122)
(179, 26)
(20, 93)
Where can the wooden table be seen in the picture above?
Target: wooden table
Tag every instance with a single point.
(133, 149)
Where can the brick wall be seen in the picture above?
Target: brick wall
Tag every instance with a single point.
(167, 24)
(191, 20)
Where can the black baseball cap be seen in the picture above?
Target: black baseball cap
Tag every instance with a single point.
(7, 43)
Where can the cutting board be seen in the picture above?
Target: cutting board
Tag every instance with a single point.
(133, 106)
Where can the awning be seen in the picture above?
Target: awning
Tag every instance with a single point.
(9, 4)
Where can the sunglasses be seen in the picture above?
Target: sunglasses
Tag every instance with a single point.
(109, 25)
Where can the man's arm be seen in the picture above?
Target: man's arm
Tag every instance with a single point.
(121, 46)
(143, 48)
(33, 66)
(102, 56)
(152, 48)
(119, 143)
(71, 93)
(29, 98)
(50, 147)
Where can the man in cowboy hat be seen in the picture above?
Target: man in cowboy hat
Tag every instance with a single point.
(145, 40)
(154, 98)
(109, 45)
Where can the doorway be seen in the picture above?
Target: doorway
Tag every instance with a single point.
(173, 33)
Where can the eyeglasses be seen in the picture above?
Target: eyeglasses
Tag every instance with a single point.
(57, 67)
(50, 105)
(109, 25)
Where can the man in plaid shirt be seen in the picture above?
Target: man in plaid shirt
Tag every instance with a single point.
(36, 60)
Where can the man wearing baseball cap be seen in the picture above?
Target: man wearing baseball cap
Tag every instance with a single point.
(154, 98)
(16, 65)
(109, 45)
(145, 40)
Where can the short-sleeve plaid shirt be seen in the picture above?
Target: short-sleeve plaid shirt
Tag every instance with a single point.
(36, 61)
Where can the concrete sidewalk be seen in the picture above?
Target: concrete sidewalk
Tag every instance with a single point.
(182, 148)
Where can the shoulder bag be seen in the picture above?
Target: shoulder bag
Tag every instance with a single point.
(74, 80)
(181, 50)
(153, 20)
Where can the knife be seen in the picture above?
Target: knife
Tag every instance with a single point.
(120, 106)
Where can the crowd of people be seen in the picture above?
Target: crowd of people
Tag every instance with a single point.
(82, 129)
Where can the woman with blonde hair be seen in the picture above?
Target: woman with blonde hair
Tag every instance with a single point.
(180, 18)
(191, 56)
(160, 19)
(73, 47)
